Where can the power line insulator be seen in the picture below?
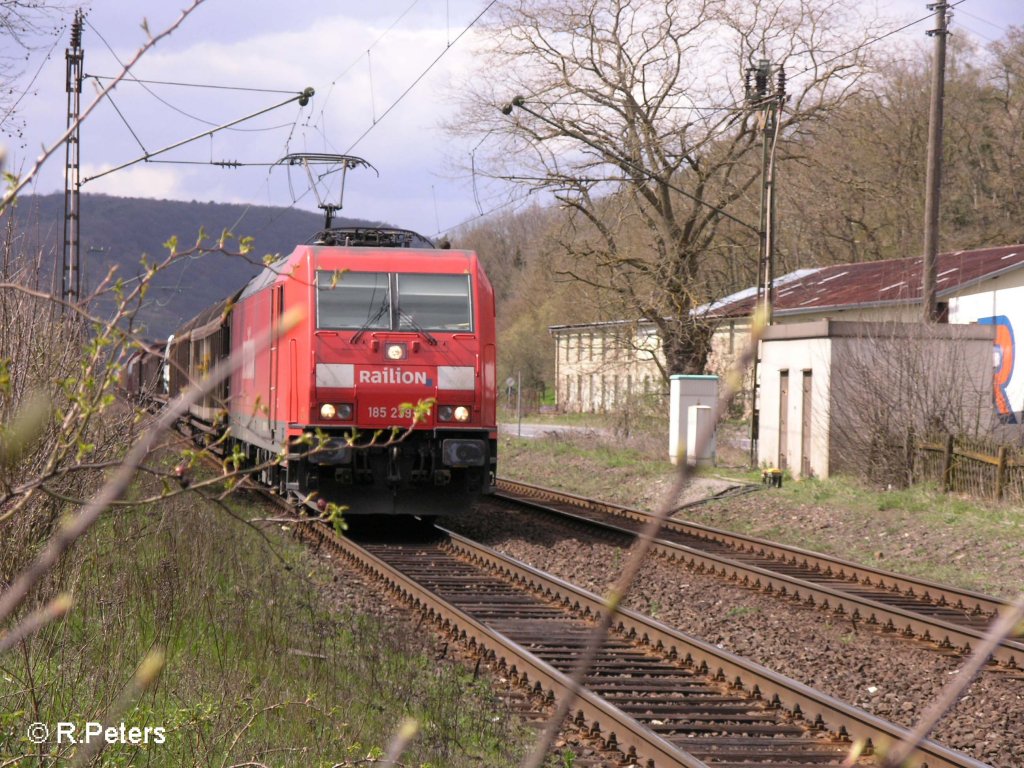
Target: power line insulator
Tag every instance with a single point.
(76, 29)
(761, 78)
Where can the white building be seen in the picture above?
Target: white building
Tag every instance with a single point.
(599, 364)
(983, 286)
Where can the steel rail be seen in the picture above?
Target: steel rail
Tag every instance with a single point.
(628, 734)
(807, 704)
(842, 577)
(810, 710)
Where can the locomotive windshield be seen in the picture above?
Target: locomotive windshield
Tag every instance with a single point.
(353, 300)
(434, 302)
(383, 301)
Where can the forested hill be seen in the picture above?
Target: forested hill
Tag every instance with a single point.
(119, 231)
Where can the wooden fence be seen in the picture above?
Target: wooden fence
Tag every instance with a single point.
(974, 467)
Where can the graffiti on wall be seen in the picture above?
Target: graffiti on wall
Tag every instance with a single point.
(1003, 360)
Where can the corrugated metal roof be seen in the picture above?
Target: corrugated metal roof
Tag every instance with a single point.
(599, 325)
(875, 283)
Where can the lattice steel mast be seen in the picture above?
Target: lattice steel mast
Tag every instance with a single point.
(71, 276)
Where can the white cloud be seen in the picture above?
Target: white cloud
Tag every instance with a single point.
(318, 43)
(352, 94)
(139, 181)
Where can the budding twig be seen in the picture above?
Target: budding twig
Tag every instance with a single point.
(1005, 627)
(618, 593)
(68, 533)
(52, 611)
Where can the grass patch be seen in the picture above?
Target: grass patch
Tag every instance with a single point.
(918, 531)
(588, 420)
(740, 610)
(258, 667)
(558, 448)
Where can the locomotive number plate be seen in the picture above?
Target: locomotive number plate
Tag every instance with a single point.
(381, 413)
(378, 412)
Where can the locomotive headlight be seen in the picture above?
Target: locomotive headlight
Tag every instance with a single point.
(395, 351)
(450, 412)
(342, 411)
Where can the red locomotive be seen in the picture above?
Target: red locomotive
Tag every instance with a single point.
(389, 322)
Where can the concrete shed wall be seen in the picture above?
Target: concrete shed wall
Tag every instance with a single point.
(788, 448)
(867, 379)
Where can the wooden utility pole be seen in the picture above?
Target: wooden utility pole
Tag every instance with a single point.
(933, 179)
(766, 98)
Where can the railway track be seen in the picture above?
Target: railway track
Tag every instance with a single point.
(942, 618)
(655, 695)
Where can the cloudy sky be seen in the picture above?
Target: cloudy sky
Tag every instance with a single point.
(359, 57)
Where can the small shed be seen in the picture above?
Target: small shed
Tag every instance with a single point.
(834, 393)
(685, 393)
(984, 285)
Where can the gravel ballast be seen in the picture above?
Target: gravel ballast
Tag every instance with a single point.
(889, 677)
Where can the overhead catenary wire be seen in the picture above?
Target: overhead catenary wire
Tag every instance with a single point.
(330, 89)
(306, 94)
(324, 101)
(15, 188)
(488, 212)
(180, 111)
(120, 114)
(296, 123)
(581, 137)
(1006, 52)
(369, 71)
(974, 16)
(731, 107)
(707, 109)
(420, 77)
(131, 79)
(521, 103)
(209, 86)
(270, 168)
(376, 120)
(151, 92)
(741, 104)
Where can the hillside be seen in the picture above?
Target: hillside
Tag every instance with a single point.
(118, 231)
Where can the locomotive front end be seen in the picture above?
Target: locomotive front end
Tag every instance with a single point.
(403, 383)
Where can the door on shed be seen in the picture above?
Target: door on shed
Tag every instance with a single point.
(805, 428)
(783, 418)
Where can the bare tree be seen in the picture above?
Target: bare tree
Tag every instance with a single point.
(856, 191)
(25, 26)
(1005, 77)
(631, 113)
